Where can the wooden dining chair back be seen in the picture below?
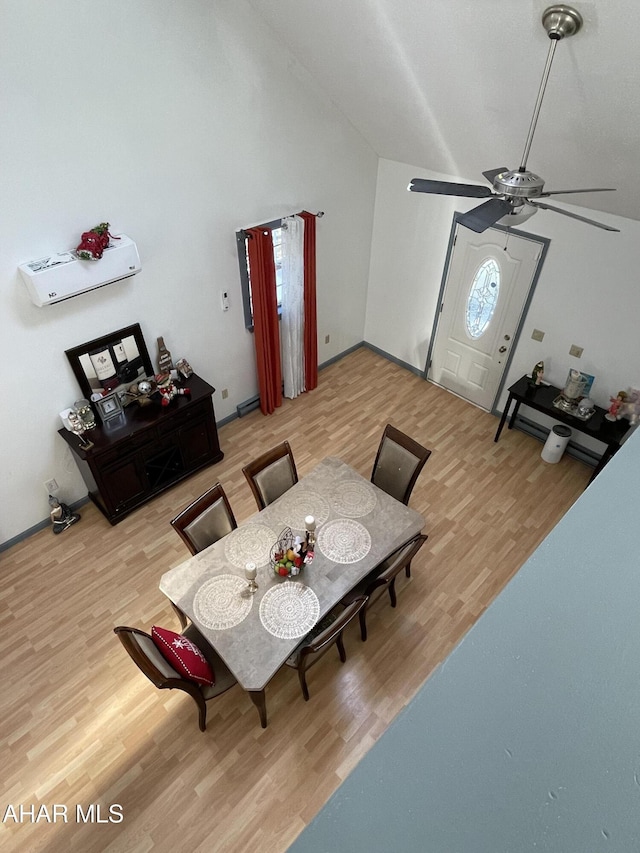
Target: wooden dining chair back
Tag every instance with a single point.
(398, 463)
(383, 577)
(205, 520)
(327, 633)
(144, 653)
(271, 474)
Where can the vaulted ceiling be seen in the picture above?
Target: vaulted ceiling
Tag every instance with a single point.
(450, 85)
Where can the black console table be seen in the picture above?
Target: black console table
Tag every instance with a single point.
(147, 449)
(541, 397)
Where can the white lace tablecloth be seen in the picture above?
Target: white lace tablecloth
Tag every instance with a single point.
(344, 540)
(220, 604)
(294, 506)
(289, 610)
(250, 543)
(353, 499)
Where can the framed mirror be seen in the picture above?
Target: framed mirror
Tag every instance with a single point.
(112, 362)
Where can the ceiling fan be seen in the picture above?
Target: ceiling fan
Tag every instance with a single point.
(513, 196)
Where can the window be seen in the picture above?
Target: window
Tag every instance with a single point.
(483, 298)
(245, 271)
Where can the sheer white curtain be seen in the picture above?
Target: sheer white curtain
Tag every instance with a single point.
(292, 319)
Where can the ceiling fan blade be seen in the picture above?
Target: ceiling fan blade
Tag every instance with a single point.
(490, 175)
(486, 215)
(593, 190)
(572, 215)
(421, 185)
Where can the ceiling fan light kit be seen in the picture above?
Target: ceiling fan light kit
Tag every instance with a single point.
(514, 193)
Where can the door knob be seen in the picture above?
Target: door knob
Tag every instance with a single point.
(502, 349)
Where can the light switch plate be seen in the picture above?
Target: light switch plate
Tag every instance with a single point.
(537, 335)
(576, 351)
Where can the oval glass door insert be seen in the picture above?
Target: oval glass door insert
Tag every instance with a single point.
(483, 298)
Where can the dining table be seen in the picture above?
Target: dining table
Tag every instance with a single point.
(357, 527)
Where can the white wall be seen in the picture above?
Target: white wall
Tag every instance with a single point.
(178, 122)
(587, 293)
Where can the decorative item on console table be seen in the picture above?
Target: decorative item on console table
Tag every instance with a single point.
(165, 363)
(631, 408)
(126, 360)
(573, 391)
(184, 368)
(168, 389)
(537, 374)
(109, 406)
(616, 408)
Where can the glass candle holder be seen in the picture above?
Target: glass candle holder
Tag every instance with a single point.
(84, 410)
(310, 526)
(250, 572)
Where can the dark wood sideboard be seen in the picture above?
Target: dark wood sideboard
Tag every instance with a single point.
(147, 449)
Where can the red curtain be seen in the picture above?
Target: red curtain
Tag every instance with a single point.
(265, 318)
(310, 318)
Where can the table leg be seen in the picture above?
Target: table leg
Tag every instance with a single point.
(514, 414)
(503, 418)
(258, 698)
(606, 456)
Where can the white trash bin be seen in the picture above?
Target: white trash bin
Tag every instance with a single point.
(556, 443)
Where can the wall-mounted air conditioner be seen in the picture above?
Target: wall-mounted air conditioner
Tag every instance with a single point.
(62, 276)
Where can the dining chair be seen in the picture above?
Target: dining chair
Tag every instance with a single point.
(382, 578)
(144, 653)
(271, 474)
(326, 633)
(398, 463)
(206, 519)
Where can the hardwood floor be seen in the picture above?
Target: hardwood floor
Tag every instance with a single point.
(81, 725)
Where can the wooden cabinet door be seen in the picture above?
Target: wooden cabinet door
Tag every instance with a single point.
(124, 483)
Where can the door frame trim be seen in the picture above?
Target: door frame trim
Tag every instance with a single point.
(544, 242)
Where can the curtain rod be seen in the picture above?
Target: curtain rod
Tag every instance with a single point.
(275, 223)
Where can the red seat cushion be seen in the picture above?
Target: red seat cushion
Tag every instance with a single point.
(183, 655)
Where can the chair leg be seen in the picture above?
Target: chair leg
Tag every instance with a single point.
(181, 616)
(407, 569)
(341, 651)
(363, 624)
(303, 684)
(392, 592)
(202, 712)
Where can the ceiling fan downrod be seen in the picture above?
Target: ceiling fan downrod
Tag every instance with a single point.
(559, 22)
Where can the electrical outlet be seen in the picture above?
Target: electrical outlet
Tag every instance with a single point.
(327, 338)
(225, 393)
(51, 486)
(537, 335)
(577, 351)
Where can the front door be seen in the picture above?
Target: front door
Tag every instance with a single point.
(487, 283)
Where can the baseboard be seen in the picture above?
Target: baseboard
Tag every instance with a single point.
(582, 454)
(416, 370)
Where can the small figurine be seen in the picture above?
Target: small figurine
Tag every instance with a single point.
(184, 368)
(537, 374)
(614, 413)
(168, 390)
(61, 515)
